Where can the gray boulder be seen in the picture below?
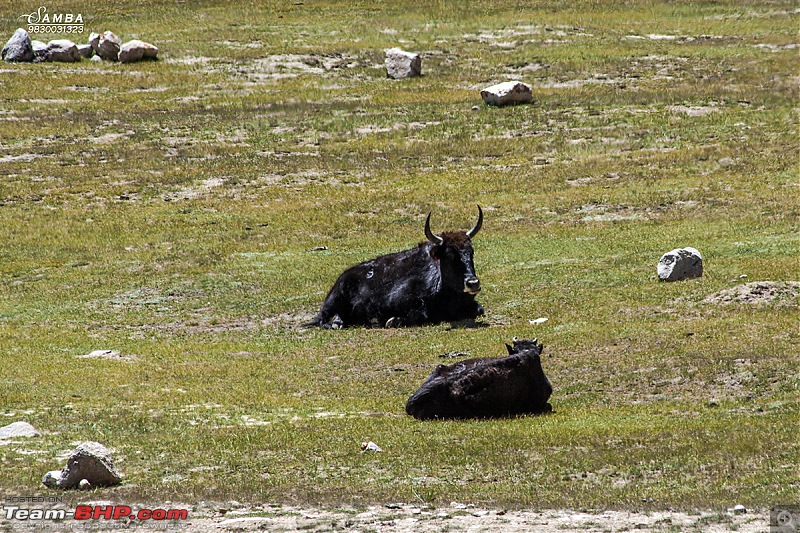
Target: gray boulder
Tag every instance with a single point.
(507, 93)
(108, 46)
(18, 48)
(91, 461)
(400, 64)
(62, 50)
(137, 50)
(85, 50)
(39, 48)
(18, 429)
(679, 264)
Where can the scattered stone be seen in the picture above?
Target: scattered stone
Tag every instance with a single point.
(85, 50)
(740, 509)
(713, 402)
(401, 64)
(84, 485)
(18, 47)
(96, 59)
(62, 51)
(90, 462)
(507, 93)
(18, 429)
(370, 447)
(537, 321)
(680, 264)
(137, 50)
(108, 46)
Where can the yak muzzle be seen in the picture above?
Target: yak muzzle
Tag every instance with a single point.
(472, 285)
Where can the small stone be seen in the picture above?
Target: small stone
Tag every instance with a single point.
(507, 93)
(84, 485)
(18, 47)
(96, 59)
(680, 264)
(713, 402)
(370, 447)
(740, 509)
(51, 479)
(538, 321)
(18, 429)
(39, 50)
(401, 64)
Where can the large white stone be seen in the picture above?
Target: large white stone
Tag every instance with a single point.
(137, 50)
(681, 263)
(18, 47)
(507, 93)
(401, 64)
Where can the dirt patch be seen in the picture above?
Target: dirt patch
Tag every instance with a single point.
(458, 517)
(780, 293)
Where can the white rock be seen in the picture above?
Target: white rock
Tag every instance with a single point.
(679, 264)
(137, 50)
(51, 479)
(740, 509)
(370, 447)
(84, 485)
(18, 47)
(18, 429)
(537, 321)
(507, 93)
(62, 51)
(401, 64)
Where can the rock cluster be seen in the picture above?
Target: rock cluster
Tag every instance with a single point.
(106, 45)
(90, 465)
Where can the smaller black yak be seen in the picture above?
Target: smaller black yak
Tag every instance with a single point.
(486, 387)
(434, 282)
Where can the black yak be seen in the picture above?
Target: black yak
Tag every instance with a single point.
(434, 282)
(486, 387)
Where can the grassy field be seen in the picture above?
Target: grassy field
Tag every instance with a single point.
(171, 211)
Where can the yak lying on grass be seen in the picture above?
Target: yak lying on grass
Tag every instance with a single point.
(486, 387)
(434, 282)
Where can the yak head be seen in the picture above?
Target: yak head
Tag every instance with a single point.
(452, 251)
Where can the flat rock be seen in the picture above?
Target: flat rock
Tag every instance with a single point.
(507, 93)
(18, 429)
(401, 64)
(680, 264)
(137, 50)
(91, 461)
(18, 48)
(62, 51)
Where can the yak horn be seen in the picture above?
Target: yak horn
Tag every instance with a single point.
(474, 231)
(435, 239)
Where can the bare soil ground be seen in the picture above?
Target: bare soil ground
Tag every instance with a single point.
(415, 519)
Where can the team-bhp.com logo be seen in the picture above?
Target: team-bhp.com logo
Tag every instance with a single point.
(94, 512)
(40, 21)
